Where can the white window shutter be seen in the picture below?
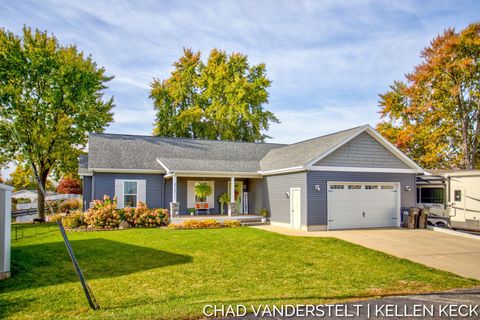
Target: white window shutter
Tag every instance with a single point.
(142, 191)
(119, 192)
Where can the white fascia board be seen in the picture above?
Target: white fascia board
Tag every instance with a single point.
(111, 170)
(213, 174)
(6, 187)
(283, 170)
(360, 169)
(163, 166)
(85, 174)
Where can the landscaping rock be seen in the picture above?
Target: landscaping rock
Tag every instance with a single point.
(123, 225)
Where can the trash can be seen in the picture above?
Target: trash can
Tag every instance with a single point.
(423, 218)
(412, 218)
(404, 217)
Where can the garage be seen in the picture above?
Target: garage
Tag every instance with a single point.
(352, 205)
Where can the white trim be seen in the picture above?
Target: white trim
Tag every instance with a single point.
(109, 170)
(399, 196)
(283, 170)
(86, 174)
(163, 166)
(213, 174)
(377, 136)
(360, 169)
(6, 187)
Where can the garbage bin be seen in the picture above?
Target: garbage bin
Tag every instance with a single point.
(423, 218)
(412, 218)
(404, 217)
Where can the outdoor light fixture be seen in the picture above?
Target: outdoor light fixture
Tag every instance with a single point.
(317, 187)
(408, 188)
(287, 195)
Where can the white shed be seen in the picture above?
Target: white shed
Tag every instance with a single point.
(5, 229)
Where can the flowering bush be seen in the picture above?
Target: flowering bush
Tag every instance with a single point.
(142, 216)
(74, 220)
(231, 223)
(70, 205)
(104, 214)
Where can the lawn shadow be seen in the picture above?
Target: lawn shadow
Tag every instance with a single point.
(49, 264)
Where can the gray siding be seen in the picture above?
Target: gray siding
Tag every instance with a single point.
(87, 191)
(275, 201)
(362, 151)
(105, 185)
(255, 195)
(317, 200)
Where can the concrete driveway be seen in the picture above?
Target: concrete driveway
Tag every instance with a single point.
(456, 254)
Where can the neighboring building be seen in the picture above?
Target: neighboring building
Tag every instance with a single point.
(5, 229)
(349, 179)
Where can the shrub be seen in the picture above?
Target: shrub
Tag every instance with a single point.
(231, 223)
(69, 185)
(55, 217)
(70, 205)
(142, 216)
(104, 214)
(196, 224)
(74, 220)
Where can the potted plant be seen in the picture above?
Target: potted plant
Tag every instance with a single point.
(203, 190)
(223, 200)
(191, 211)
(264, 214)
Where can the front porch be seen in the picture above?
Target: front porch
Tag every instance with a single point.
(234, 198)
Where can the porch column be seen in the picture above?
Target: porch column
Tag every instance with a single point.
(232, 196)
(174, 188)
(174, 206)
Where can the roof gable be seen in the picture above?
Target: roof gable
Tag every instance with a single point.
(363, 151)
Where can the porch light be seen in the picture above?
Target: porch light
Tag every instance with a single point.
(287, 195)
(317, 187)
(408, 188)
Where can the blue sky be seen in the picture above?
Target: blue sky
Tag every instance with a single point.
(327, 60)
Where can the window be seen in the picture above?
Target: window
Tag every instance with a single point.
(387, 187)
(371, 187)
(130, 193)
(458, 195)
(431, 195)
(337, 186)
(354, 186)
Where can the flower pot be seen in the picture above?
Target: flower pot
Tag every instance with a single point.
(264, 220)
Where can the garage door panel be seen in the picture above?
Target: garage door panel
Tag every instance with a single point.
(362, 205)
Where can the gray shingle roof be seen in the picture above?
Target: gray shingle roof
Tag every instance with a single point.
(301, 153)
(115, 151)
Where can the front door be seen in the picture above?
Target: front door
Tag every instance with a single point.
(295, 217)
(238, 195)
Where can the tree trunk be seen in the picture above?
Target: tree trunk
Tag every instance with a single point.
(467, 160)
(41, 197)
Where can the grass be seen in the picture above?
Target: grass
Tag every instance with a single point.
(159, 273)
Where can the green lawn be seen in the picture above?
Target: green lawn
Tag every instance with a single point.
(159, 273)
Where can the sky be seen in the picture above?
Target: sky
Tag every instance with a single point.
(327, 60)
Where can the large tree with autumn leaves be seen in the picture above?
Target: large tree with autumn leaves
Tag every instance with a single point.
(434, 116)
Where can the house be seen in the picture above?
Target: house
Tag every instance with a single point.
(349, 179)
(454, 194)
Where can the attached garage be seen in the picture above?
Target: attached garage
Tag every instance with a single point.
(363, 205)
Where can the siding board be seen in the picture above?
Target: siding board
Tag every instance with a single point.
(87, 191)
(363, 151)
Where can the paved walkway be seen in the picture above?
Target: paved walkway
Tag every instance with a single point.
(459, 255)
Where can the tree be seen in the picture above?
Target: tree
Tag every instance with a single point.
(434, 117)
(222, 99)
(22, 178)
(51, 96)
(69, 185)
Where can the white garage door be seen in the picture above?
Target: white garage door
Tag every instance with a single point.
(362, 205)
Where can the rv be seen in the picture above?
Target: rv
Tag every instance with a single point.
(453, 198)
